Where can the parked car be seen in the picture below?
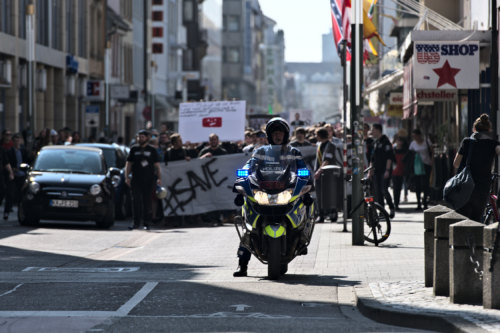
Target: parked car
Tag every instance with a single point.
(116, 156)
(68, 183)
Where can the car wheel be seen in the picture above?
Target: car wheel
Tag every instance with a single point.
(24, 217)
(109, 220)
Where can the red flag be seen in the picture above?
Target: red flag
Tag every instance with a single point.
(341, 26)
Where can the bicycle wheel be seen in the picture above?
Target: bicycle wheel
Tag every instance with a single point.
(378, 224)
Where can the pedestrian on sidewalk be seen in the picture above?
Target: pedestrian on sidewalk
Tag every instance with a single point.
(399, 172)
(422, 167)
(144, 165)
(483, 149)
(381, 162)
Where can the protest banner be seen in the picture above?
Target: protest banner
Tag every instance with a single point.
(225, 118)
(204, 185)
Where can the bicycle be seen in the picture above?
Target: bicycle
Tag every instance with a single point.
(491, 214)
(376, 217)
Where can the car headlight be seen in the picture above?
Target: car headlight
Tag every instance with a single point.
(34, 187)
(115, 180)
(282, 198)
(95, 189)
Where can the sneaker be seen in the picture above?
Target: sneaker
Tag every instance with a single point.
(132, 227)
(392, 214)
(241, 271)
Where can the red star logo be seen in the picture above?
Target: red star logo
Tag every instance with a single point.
(446, 74)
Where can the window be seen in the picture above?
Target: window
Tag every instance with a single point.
(70, 38)
(157, 2)
(158, 15)
(188, 10)
(22, 18)
(82, 28)
(157, 32)
(6, 16)
(231, 23)
(157, 48)
(232, 55)
(42, 24)
(57, 24)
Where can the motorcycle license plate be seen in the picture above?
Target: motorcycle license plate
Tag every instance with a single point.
(64, 203)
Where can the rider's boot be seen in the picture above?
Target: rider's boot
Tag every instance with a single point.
(241, 271)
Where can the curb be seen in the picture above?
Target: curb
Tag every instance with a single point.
(369, 307)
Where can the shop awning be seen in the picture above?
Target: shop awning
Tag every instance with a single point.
(393, 79)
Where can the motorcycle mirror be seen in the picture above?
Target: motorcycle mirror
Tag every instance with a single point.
(238, 201)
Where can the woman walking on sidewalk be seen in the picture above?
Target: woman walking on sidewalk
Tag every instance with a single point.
(422, 167)
(483, 149)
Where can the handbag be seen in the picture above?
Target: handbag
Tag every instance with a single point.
(458, 189)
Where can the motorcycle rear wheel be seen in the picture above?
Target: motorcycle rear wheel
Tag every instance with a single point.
(274, 259)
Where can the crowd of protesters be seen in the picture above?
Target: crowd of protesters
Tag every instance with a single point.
(403, 163)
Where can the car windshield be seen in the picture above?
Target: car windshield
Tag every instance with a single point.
(109, 156)
(66, 160)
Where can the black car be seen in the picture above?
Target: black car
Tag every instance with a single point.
(68, 183)
(116, 156)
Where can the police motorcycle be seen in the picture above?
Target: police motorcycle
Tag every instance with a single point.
(276, 222)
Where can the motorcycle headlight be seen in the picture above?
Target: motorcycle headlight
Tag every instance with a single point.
(95, 189)
(282, 198)
(34, 187)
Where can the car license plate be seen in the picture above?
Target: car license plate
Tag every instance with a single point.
(64, 203)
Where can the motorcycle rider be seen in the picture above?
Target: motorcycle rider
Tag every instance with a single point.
(278, 133)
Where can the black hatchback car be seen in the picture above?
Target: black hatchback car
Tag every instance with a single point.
(68, 183)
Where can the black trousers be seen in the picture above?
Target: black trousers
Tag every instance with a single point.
(142, 203)
(381, 186)
(397, 186)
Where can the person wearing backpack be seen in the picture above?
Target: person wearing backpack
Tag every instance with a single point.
(483, 149)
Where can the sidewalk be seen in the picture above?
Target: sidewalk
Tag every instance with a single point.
(388, 280)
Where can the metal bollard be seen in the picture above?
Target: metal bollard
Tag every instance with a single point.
(441, 273)
(466, 262)
(491, 264)
(429, 216)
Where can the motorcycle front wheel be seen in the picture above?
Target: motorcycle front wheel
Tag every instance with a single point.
(274, 259)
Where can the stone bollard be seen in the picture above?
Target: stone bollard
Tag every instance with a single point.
(466, 241)
(441, 273)
(429, 216)
(491, 277)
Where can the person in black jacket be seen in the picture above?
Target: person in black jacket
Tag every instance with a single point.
(177, 152)
(15, 155)
(381, 161)
(144, 164)
(484, 149)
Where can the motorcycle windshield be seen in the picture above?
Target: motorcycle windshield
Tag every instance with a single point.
(274, 169)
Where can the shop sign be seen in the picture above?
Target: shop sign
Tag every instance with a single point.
(395, 111)
(446, 65)
(396, 98)
(436, 95)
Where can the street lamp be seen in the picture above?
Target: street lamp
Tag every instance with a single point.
(30, 57)
(343, 61)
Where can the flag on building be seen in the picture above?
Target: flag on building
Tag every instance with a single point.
(340, 24)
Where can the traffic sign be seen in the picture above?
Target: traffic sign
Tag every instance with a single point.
(92, 116)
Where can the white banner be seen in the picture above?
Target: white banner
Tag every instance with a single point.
(198, 120)
(446, 65)
(204, 185)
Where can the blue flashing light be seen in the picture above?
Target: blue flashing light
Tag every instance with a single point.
(242, 173)
(303, 173)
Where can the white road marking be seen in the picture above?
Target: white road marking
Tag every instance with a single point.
(83, 269)
(11, 291)
(136, 299)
